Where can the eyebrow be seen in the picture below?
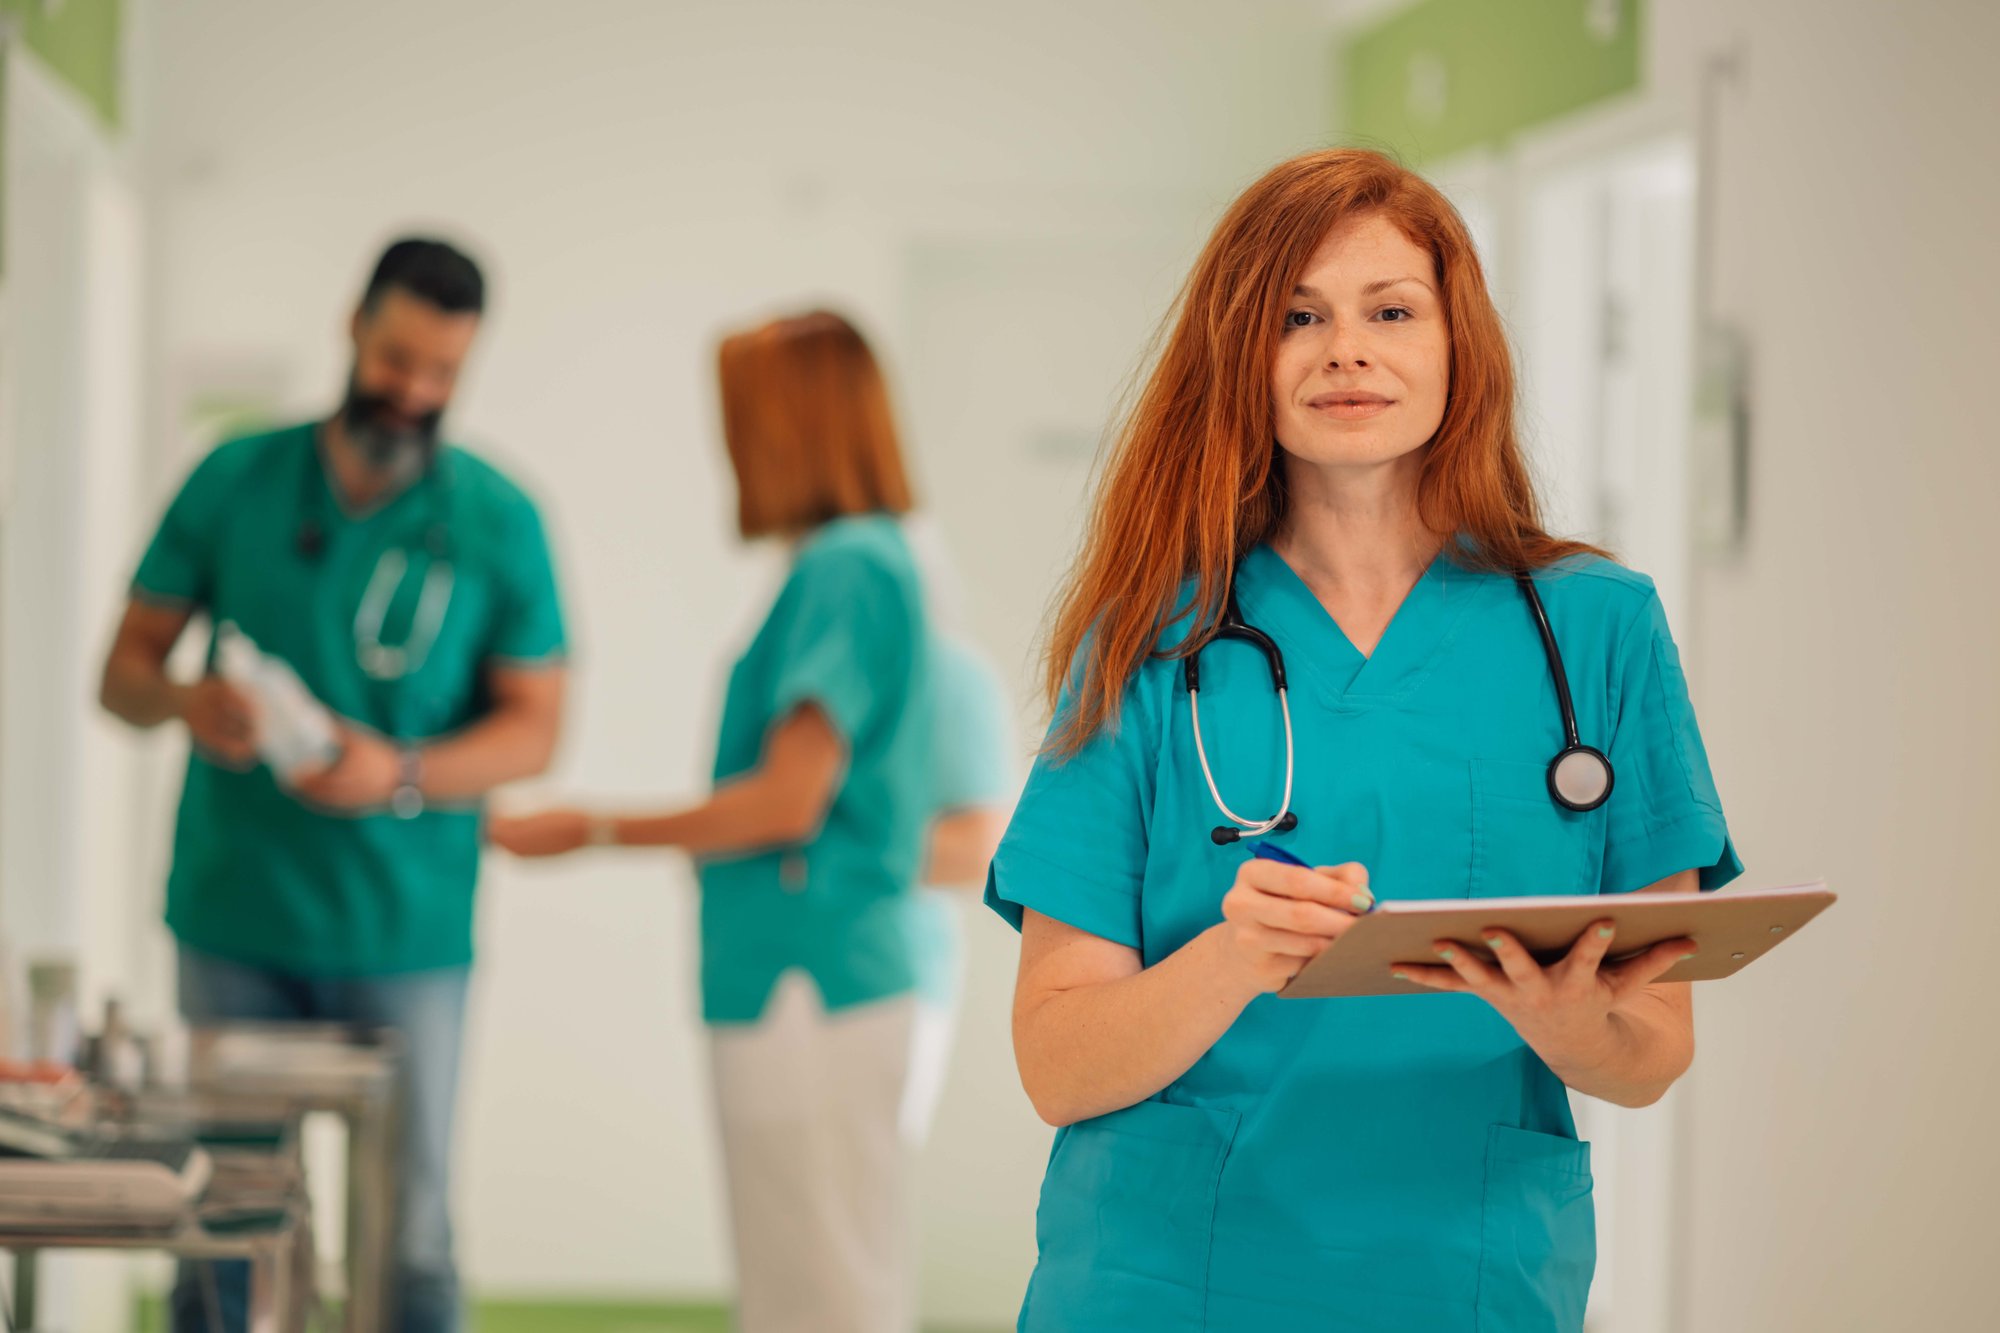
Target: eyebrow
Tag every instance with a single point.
(1380, 285)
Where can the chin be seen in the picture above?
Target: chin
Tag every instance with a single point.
(1351, 449)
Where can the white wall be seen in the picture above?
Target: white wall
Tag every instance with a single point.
(1844, 1166)
(70, 387)
(641, 175)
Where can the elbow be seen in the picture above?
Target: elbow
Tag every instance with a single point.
(535, 734)
(112, 700)
(541, 758)
(796, 821)
(1053, 1110)
(1054, 1101)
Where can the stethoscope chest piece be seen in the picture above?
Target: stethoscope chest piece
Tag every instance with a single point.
(1580, 778)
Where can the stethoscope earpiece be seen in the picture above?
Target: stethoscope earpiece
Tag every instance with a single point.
(1222, 834)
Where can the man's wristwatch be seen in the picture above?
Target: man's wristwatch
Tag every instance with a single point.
(407, 801)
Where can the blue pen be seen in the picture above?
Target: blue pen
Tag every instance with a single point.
(1271, 852)
(1267, 851)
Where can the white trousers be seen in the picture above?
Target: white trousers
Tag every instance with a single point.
(813, 1107)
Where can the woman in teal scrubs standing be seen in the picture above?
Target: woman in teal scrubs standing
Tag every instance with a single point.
(1326, 453)
(811, 843)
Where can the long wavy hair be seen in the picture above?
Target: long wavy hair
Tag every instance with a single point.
(1192, 480)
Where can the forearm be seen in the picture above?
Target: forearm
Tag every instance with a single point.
(505, 746)
(1101, 1047)
(745, 815)
(1647, 1046)
(962, 846)
(138, 691)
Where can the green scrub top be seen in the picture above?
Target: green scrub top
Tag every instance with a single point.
(1373, 1164)
(258, 876)
(972, 748)
(847, 633)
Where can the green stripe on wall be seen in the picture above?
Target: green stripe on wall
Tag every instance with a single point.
(79, 41)
(1443, 76)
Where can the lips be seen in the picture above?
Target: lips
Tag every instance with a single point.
(1350, 405)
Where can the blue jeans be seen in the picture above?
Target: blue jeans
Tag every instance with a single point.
(427, 1010)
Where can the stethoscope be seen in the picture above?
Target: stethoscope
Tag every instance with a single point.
(1579, 777)
(385, 661)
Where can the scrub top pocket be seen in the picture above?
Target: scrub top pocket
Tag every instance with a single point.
(1126, 1219)
(1523, 842)
(1538, 1233)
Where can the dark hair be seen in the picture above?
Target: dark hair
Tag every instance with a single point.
(431, 271)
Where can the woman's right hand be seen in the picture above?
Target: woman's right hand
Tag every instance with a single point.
(548, 833)
(1277, 918)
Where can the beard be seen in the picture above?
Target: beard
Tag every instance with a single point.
(390, 446)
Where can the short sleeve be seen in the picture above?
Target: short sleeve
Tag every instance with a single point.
(178, 568)
(528, 628)
(1664, 815)
(847, 626)
(972, 760)
(1076, 847)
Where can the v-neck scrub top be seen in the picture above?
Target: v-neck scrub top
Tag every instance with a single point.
(1382, 1163)
(259, 876)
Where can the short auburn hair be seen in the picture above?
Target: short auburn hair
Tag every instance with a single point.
(1192, 482)
(806, 416)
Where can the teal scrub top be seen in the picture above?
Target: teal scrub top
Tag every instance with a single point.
(1375, 1164)
(972, 748)
(258, 876)
(848, 633)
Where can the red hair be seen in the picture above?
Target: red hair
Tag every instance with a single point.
(806, 416)
(1192, 481)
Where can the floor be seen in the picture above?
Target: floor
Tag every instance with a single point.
(562, 1317)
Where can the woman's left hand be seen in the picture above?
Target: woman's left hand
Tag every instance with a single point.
(1566, 1011)
(548, 833)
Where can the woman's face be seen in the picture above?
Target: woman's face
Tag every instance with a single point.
(1364, 361)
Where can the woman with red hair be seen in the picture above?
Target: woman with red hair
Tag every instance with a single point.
(811, 843)
(1316, 618)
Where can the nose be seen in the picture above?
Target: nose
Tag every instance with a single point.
(1345, 347)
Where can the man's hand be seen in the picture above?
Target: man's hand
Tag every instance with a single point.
(361, 780)
(221, 721)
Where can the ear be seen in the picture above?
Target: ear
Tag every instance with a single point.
(354, 325)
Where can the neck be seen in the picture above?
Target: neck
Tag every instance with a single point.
(359, 483)
(1356, 529)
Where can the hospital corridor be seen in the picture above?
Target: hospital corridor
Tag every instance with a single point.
(867, 666)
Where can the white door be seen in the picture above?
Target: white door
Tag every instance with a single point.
(1605, 330)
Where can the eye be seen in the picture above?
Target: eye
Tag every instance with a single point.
(1298, 319)
(1395, 314)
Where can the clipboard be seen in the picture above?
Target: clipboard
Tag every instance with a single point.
(1731, 930)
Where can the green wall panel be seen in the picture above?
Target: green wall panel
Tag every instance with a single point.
(80, 41)
(1443, 76)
